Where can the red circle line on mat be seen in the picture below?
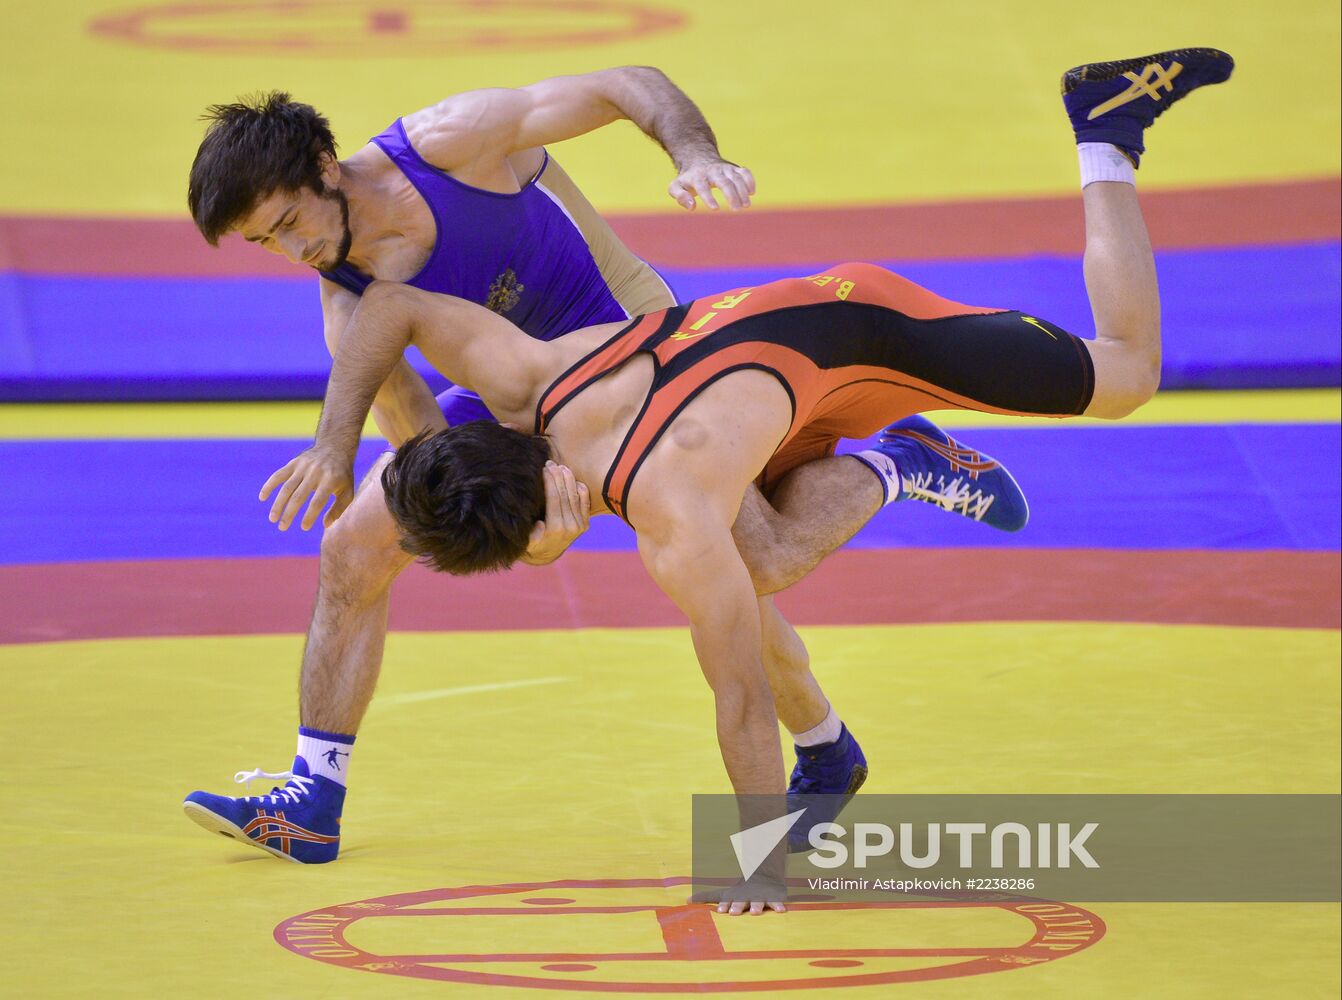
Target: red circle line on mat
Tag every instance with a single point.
(690, 941)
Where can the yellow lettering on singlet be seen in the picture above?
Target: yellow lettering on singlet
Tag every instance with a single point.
(843, 290)
(698, 324)
(731, 301)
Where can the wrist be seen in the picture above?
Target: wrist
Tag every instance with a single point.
(330, 451)
(703, 156)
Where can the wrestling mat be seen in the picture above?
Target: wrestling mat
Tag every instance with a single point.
(518, 818)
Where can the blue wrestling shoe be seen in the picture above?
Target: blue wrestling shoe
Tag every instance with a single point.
(1116, 102)
(935, 468)
(298, 822)
(832, 773)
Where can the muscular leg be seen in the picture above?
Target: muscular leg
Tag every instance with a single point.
(829, 759)
(797, 696)
(1121, 281)
(822, 504)
(815, 509)
(1110, 123)
(360, 558)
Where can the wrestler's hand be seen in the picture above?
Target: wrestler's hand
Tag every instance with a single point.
(699, 179)
(567, 514)
(756, 895)
(318, 474)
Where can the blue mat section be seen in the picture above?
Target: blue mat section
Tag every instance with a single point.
(1244, 318)
(1213, 487)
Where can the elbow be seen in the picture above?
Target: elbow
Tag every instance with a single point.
(383, 294)
(391, 308)
(640, 76)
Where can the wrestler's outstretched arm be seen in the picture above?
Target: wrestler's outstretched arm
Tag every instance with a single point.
(685, 541)
(452, 334)
(468, 133)
(696, 563)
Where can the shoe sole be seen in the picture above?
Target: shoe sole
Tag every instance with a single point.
(1099, 72)
(858, 779)
(215, 823)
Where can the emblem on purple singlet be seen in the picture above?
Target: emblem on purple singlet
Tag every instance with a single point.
(504, 293)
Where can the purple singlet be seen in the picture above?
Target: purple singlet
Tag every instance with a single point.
(521, 255)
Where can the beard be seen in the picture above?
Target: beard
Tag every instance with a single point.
(347, 237)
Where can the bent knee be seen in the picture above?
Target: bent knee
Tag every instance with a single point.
(1123, 397)
(765, 561)
(361, 551)
(768, 579)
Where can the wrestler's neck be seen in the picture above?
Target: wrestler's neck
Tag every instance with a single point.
(384, 212)
(596, 503)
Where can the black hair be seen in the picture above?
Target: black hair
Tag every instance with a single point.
(466, 498)
(251, 149)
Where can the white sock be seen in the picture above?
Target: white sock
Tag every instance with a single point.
(826, 732)
(326, 754)
(885, 469)
(1101, 161)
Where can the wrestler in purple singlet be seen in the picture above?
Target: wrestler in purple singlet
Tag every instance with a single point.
(523, 255)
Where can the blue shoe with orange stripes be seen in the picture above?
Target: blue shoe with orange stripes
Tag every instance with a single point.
(823, 780)
(1116, 102)
(932, 467)
(299, 821)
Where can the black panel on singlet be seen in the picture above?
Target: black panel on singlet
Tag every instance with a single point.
(998, 359)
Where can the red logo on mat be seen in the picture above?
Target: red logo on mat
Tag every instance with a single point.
(354, 28)
(639, 936)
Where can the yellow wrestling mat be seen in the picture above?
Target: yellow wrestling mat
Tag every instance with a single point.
(867, 102)
(492, 758)
(570, 756)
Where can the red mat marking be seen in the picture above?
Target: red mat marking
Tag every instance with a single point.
(324, 935)
(343, 28)
(1251, 214)
(611, 589)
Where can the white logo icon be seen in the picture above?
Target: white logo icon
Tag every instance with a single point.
(752, 846)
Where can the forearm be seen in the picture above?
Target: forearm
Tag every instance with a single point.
(698, 566)
(648, 98)
(727, 642)
(376, 339)
(747, 730)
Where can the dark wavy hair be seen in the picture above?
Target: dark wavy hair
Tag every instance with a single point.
(251, 149)
(466, 498)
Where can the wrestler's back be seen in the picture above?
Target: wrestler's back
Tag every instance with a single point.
(726, 434)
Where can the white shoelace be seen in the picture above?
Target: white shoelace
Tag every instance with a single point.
(955, 495)
(288, 794)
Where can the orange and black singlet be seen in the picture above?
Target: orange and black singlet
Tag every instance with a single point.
(855, 347)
